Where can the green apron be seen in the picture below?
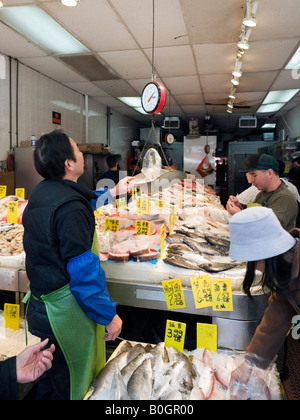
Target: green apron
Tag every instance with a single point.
(79, 337)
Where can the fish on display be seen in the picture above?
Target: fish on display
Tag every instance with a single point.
(163, 373)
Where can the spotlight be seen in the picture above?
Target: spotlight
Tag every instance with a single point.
(250, 20)
(235, 81)
(69, 3)
(244, 38)
(237, 68)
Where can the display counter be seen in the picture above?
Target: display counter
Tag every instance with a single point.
(235, 329)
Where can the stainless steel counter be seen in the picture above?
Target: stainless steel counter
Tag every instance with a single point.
(235, 329)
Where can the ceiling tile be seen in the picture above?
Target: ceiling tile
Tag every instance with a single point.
(129, 64)
(287, 79)
(269, 55)
(173, 61)
(183, 85)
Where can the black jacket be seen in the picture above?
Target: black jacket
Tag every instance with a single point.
(58, 224)
(9, 389)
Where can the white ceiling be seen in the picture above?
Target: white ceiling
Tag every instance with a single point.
(195, 50)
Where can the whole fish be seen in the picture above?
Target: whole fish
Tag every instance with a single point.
(140, 384)
(216, 267)
(103, 381)
(218, 241)
(128, 370)
(179, 262)
(206, 382)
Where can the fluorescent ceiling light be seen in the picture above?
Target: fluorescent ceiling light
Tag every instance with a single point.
(282, 96)
(131, 101)
(36, 25)
(269, 108)
(269, 126)
(294, 64)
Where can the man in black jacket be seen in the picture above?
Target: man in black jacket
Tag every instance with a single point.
(28, 366)
(59, 228)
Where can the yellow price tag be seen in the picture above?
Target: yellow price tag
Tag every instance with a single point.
(143, 205)
(162, 240)
(20, 192)
(12, 212)
(121, 203)
(207, 337)
(142, 227)
(201, 288)
(3, 189)
(160, 204)
(112, 224)
(11, 316)
(174, 294)
(175, 335)
(222, 295)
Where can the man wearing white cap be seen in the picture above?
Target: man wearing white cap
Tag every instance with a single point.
(264, 175)
(257, 237)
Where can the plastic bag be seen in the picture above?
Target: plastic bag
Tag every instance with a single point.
(152, 164)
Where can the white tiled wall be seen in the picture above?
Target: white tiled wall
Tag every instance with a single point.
(39, 96)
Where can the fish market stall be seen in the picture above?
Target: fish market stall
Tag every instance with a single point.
(139, 371)
(196, 243)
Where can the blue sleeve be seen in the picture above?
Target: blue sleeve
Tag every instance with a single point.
(88, 286)
(104, 197)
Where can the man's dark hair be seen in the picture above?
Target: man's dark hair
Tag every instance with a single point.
(111, 161)
(51, 152)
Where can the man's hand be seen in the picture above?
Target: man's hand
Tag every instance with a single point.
(113, 329)
(233, 205)
(33, 362)
(122, 187)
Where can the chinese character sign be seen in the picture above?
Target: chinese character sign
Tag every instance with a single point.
(142, 227)
(174, 294)
(112, 224)
(175, 335)
(201, 287)
(222, 295)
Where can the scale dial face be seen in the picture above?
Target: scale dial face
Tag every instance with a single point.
(153, 98)
(169, 138)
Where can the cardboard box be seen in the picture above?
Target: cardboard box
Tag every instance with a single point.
(26, 143)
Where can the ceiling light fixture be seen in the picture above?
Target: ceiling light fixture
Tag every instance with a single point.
(232, 92)
(36, 25)
(235, 81)
(229, 110)
(250, 20)
(244, 38)
(237, 68)
(1, 3)
(70, 3)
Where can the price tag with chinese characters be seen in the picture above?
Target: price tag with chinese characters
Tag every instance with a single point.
(11, 316)
(142, 227)
(121, 203)
(201, 287)
(12, 212)
(207, 337)
(3, 189)
(222, 295)
(112, 224)
(175, 335)
(174, 294)
(20, 192)
(160, 204)
(143, 205)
